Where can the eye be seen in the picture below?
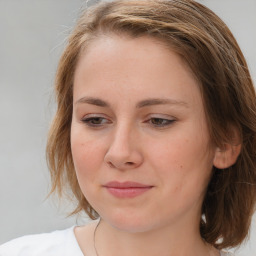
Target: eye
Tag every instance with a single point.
(161, 122)
(95, 121)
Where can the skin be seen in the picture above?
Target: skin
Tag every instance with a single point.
(119, 134)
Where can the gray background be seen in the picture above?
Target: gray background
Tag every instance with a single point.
(32, 36)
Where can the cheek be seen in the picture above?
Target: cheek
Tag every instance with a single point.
(87, 161)
(184, 163)
(87, 156)
(175, 153)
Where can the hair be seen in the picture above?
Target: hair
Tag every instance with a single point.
(203, 40)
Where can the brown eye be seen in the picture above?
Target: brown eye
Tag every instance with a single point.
(160, 122)
(95, 121)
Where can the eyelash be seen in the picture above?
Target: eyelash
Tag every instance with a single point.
(165, 122)
(89, 121)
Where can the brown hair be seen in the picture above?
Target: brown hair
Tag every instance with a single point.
(209, 48)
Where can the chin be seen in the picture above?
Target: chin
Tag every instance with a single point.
(130, 223)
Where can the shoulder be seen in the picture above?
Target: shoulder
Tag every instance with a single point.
(57, 243)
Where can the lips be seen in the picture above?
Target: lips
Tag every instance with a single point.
(126, 189)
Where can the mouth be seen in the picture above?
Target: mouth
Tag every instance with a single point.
(126, 189)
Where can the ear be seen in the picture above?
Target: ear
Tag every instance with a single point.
(227, 155)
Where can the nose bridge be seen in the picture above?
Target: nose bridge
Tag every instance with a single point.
(123, 150)
(121, 143)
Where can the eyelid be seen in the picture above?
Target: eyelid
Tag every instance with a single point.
(167, 120)
(86, 119)
(91, 115)
(161, 116)
(97, 120)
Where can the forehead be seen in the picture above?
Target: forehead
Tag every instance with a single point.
(133, 67)
(126, 48)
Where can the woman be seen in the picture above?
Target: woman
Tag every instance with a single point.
(155, 134)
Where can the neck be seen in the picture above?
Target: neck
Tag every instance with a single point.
(165, 241)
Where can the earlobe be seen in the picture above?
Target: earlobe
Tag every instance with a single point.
(226, 156)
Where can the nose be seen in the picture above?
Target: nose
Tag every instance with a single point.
(123, 152)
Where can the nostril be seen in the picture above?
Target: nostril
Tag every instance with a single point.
(111, 165)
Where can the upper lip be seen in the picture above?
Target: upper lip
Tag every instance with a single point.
(126, 184)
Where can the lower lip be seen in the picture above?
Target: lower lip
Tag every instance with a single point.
(127, 192)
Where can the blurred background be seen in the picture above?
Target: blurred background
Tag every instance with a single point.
(32, 37)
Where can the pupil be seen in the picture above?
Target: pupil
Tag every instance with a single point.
(157, 121)
(97, 120)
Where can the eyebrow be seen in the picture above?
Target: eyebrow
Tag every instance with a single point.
(93, 101)
(144, 103)
(156, 101)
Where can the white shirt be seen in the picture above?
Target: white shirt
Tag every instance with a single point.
(57, 243)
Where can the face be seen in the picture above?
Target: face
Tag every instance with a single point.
(139, 138)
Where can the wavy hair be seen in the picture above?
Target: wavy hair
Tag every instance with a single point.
(203, 40)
